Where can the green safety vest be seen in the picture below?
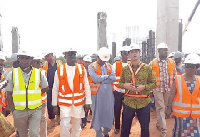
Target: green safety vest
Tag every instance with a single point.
(22, 93)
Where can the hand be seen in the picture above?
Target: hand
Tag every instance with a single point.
(130, 87)
(55, 110)
(140, 88)
(86, 107)
(168, 111)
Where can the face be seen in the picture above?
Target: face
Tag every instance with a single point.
(16, 64)
(100, 62)
(24, 61)
(1, 65)
(124, 55)
(70, 57)
(36, 63)
(177, 60)
(191, 69)
(134, 55)
(86, 64)
(163, 53)
(49, 57)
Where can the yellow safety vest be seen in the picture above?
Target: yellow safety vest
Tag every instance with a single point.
(26, 96)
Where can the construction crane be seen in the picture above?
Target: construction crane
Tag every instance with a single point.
(191, 16)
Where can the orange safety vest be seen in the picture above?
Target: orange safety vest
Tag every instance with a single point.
(186, 104)
(45, 65)
(118, 73)
(3, 101)
(66, 96)
(44, 95)
(180, 66)
(92, 87)
(97, 69)
(156, 70)
(133, 82)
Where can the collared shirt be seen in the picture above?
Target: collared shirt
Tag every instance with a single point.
(114, 70)
(72, 111)
(26, 76)
(182, 69)
(164, 76)
(144, 77)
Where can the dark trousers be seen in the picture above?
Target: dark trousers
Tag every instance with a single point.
(85, 119)
(117, 108)
(49, 104)
(143, 115)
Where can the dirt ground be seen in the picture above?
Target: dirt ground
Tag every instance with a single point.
(135, 130)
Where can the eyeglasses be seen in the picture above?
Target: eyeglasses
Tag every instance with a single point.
(192, 66)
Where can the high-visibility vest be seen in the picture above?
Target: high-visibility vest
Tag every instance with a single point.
(118, 73)
(186, 104)
(97, 69)
(156, 70)
(26, 96)
(46, 64)
(180, 66)
(66, 95)
(3, 102)
(92, 87)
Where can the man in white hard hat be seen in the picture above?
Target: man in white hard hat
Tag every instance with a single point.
(71, 92)
(119, 93)
(37, 63)
(50, 66)
(164, 70)
(26, 84)
(138, 80)
(171, 55)
(87, 60)
(103, 100)
(180, 67)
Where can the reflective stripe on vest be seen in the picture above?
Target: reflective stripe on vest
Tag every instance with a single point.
(118, 71)
(185, 103)
(170, 67)
(22, 93)
(3, 101)
(66, 96)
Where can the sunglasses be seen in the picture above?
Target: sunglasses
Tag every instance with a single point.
(192, 66)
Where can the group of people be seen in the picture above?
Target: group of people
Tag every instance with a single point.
(69, 90)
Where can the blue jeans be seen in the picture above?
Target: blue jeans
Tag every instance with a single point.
(143, 117)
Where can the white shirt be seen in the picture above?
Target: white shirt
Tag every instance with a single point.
(114, 70)
(72, 111)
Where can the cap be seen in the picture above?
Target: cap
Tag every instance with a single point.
(178, 54)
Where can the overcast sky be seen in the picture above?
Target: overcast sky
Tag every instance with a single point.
(55, 24)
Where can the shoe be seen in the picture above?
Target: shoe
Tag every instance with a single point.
(106, 135)
(158, 127)
(17, 135)
(83, 125)
(116, 131)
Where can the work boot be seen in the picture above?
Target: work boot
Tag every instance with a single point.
(116, 131)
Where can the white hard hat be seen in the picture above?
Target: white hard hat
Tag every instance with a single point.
(37, 57)
(2, 57)
(103, 54)
(178, 54)
(67, 49)
(124, 48)
(117, 58)
(192, 58)
(133, 46)
(25, 53)
(87, 58)
(13, 57)
(171, 54)
(162, 46)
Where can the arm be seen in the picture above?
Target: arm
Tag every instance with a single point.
(95, 77)
(43, 83)
(55, 90)
(87, 89)
(111, 78)
(171, 98)
(151, 82)
(10, 100)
